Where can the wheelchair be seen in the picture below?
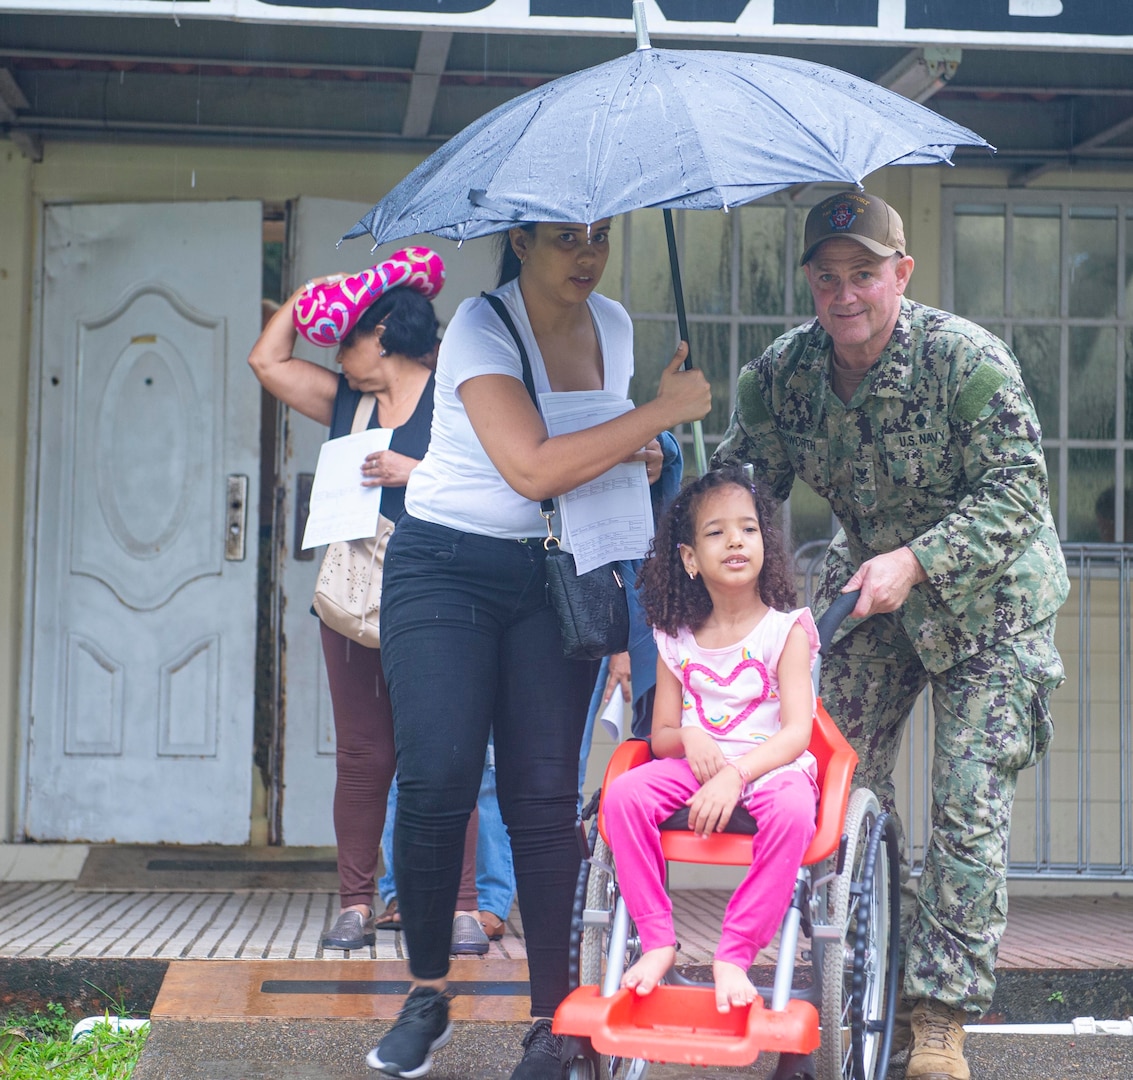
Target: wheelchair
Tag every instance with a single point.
(837, 1024)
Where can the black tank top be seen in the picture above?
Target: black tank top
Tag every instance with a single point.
(411, 439)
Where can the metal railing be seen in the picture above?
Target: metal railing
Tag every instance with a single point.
(1073, 814)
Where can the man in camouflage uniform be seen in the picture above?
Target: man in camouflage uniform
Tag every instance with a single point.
(917, 428)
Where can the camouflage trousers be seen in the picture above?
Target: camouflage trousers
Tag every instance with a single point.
(991, 719)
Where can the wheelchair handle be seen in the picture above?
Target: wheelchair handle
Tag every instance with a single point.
(833, 617)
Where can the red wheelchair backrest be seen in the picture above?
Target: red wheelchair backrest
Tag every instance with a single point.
(836, 762)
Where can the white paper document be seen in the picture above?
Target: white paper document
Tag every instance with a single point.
(611, 517)
(613, 716)
(341, 508)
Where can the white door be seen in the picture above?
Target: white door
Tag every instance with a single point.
(307, 720)
(144, 573)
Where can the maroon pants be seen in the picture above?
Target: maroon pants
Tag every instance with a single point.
(364, 760)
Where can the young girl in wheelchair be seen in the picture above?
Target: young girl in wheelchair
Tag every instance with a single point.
(731, 724)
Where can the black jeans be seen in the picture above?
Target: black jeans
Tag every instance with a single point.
(470, 645)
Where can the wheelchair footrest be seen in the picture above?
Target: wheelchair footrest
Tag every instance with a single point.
(680, 1024)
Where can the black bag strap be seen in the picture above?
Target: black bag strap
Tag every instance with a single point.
(505, 316)
(547, 507)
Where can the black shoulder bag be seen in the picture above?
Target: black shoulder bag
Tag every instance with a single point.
(592, 608)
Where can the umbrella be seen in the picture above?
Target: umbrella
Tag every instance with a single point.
(661, 128)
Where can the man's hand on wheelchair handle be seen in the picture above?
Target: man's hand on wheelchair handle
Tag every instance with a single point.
(885, 582)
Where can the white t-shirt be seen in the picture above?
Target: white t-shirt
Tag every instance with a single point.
(456, 484)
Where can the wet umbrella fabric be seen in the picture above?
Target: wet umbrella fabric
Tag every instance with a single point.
(666, 128)
(693, 130)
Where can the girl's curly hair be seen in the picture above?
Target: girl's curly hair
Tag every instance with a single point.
(670, 598)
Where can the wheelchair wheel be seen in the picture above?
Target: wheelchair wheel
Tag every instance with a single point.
(594, 1066)
(581, 1059)
(859, 971)
(876, 945)
(595, 896)
(592, 939)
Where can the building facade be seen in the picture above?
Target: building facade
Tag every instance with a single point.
(169, 166)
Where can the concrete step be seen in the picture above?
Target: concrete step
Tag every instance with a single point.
(86, 987)
(317, 1019)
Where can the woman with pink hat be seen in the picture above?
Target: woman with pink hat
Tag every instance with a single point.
(383, 323)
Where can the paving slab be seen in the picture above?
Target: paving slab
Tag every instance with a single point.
(297, 1012)
(336, 1050)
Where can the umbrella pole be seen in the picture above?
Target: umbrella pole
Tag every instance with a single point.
(700, 456)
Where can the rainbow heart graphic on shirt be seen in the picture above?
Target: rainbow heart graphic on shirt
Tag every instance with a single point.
(696, 676)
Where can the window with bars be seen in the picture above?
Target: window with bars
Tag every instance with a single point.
(742, 287)
(1051, 272)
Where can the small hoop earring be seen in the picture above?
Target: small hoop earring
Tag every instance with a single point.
(692, 575)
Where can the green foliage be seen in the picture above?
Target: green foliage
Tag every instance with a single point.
(38, 1046)
(51, 1023)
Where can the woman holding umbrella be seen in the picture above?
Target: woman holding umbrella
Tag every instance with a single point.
(470, 644)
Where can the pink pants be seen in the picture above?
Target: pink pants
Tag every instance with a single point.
(639, 800)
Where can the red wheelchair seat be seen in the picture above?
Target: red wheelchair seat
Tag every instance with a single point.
(836, 763)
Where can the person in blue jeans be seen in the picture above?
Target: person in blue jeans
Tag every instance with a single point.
(633, 673)
(495, 875)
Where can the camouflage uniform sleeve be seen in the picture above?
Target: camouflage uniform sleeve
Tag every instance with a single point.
(1008, 498)
(752, 435)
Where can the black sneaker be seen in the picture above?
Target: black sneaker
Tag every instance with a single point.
(542, 1054)
(422, 1026)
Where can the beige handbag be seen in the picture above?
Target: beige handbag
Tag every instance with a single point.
(348, 593)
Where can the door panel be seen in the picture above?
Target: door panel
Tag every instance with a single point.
(308, 723)
(144, 604)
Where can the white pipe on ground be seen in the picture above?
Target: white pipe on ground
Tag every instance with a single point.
(1080, 1025)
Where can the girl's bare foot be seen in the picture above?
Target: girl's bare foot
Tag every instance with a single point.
(653, 966)
(733, 987)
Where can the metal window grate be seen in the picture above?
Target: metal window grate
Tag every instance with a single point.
(1073, 814)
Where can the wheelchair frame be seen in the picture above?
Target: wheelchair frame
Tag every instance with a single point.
(846, 901)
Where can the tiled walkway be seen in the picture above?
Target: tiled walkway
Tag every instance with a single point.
(56, 920)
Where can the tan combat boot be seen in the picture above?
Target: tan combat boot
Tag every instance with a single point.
(937, 1049)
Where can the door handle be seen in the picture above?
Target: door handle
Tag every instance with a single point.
(303, 484)
(235, 517)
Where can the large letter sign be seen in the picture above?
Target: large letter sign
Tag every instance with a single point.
(1024, 16)
(1036, 24)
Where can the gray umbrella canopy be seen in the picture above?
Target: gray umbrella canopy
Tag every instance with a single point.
(667, 128)
(664, 128)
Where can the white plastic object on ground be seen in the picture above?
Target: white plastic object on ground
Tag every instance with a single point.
(115, 1023)
(1080, 1025)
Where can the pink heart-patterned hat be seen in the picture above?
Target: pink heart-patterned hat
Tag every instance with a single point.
(325, 314)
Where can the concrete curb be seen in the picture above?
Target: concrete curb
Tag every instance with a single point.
(1023, 996)
(82, 986)
(258, 1049)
